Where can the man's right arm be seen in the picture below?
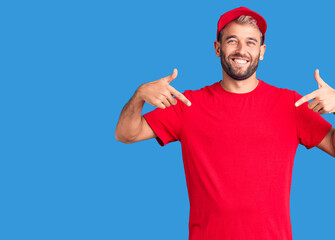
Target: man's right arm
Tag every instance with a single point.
(132, 127)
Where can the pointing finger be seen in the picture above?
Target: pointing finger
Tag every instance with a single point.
(306, 98)
(180, 96)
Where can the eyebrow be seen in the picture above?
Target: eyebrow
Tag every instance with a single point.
(234, 36)
(229, 37)
(253, 39)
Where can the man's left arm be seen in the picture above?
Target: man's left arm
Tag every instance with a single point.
(328, 143)
(323, 102)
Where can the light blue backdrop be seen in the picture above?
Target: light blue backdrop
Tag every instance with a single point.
(67, 70)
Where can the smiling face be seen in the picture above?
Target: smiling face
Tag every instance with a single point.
(240, 50)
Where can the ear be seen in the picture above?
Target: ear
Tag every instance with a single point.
(261, 55)
(217, 47)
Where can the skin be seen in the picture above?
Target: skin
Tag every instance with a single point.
(243, 41)
(132, 127)
(323, 101)
(239, 41)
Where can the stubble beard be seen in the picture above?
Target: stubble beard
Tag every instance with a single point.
(228, 68)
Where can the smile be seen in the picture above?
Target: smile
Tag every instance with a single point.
(240, 60)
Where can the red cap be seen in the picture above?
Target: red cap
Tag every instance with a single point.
(235, 13)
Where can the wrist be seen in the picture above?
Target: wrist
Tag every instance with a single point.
(138, 97)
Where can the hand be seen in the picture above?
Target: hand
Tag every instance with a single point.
(160, 93)
(323, 98)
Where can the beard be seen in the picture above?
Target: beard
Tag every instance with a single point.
(236, 72)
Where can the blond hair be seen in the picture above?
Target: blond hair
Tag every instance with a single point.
(243, 19)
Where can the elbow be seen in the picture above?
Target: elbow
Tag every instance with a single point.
(122, 139)
(333, 144)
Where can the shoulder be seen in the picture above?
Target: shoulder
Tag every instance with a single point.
(204, 91)
(280, 92)
(200, 97)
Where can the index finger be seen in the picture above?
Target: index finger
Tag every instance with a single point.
(180, 96)
(305, 98)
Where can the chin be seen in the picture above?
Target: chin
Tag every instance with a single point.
(239, 78)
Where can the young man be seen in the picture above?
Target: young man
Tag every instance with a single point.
(238, 136)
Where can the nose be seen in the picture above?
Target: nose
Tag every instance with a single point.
(241, 48)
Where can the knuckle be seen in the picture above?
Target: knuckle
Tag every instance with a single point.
(165, 82)
(157, 102)
(162, 98)
(166, 93)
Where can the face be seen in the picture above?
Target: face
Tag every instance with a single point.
(240, 50)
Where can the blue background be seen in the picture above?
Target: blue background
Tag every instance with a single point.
(67, 70)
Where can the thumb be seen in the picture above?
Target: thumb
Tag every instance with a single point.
(318, 79)
(173, 75)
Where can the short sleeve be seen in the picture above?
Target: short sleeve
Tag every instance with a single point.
(166, 123)
(311, 126)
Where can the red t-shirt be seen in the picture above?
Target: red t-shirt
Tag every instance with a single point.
(238, 152)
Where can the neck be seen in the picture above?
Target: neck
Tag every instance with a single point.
(239, 86)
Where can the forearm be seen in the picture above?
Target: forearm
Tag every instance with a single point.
(333, 143)
(130, 121)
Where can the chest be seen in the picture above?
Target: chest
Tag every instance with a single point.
(244, 121)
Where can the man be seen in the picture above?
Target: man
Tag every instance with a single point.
(238, 136)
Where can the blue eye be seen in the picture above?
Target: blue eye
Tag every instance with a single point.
(232, 41)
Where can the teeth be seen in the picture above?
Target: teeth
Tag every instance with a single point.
(240, 61)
